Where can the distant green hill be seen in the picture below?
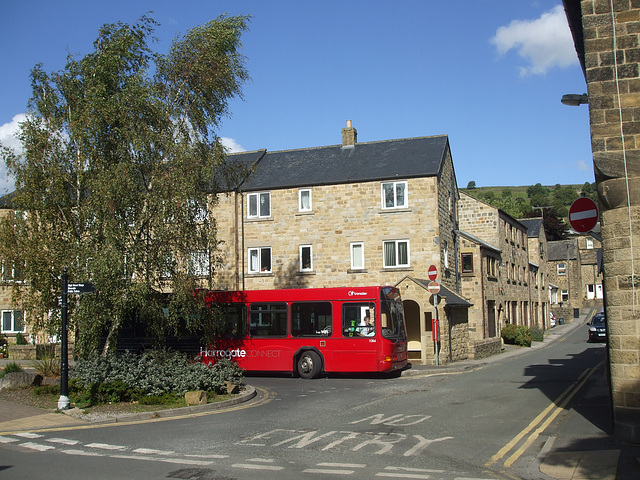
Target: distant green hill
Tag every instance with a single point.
(523, 201)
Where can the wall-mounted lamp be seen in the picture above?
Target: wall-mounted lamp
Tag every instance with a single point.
(574, 99)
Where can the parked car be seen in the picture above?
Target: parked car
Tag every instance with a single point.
(552, 320)
(598, 328)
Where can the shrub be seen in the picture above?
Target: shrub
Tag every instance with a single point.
(44, 390)
(153, 373)
(20, 340)
(537, 335)
(10, 367)
(47, 367)
(516, 335)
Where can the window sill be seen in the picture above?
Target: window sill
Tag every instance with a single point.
(397, 269)
(260, 219)
(305, 214)
(383, 211)
(260, 274)
(357, 270)
(306, 272)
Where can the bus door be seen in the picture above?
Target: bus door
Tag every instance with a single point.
(266, 348)
(356, 349)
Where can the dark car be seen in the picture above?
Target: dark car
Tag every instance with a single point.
(597, 329)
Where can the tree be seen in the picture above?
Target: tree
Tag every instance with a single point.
(471, 185)
(120, 167)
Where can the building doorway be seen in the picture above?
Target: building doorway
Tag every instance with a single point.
(412, 320)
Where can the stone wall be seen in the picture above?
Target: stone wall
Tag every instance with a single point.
(612, 64)
(486, 348)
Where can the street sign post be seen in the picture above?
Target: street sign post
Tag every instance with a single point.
(432, 272)
(434, 289)
(80, 288)
(583, 215)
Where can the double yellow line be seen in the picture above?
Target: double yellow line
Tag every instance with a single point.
(542, 421)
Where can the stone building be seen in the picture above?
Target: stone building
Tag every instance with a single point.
(538, 272)
(499, 287)
(370, 213)
(565, 272)
(606, 35)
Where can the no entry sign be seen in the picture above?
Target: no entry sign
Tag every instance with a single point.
(583, 215)
(434, 288)
(433, 272)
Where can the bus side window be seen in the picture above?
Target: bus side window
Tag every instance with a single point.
(268, 320)
(353, 315)
(311, 319)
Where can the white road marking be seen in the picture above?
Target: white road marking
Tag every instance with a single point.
(62, 441)
(251, 466)
(7, 440)
(82, 453)
(28, 435)
(151, 451)
(106, 446)
(37, 446)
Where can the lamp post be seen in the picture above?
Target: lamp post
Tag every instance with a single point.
(63, 401)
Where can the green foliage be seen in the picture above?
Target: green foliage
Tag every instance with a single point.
(11, 367)
(47, 367)
(20, 340)
(537, 335)
(516, 335)
(153, 373)
(116, 144)
(44, 390)
(471, 185)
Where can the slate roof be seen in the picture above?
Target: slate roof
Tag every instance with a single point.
(478, 241)
(451, 298)
(534, 225)
(337, 164)
(558, 250)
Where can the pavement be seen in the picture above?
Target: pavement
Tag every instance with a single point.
(584, 449)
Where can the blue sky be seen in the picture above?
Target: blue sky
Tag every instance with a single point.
(489, 74)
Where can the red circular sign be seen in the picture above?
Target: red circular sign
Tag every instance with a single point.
(433, 287)
(583, 215)
(433, 272)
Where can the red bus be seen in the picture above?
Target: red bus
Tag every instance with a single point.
(312, 330)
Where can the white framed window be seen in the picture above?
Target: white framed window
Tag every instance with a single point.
(200, 212)
(259, 205)
(561, 268)
(396, 253)
(304, 200)
(13, 321)
(199, 263)
(394, 195)
(357, 255)
(564, 296)
(306, 258)
(260, 260)
(13, 271)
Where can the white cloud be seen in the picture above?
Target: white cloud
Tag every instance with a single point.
(582, 165)
(544, 42)
(8, 131)
(231, 145)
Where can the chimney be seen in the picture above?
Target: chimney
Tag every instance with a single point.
(349, 135)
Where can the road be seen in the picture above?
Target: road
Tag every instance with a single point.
(489, 422)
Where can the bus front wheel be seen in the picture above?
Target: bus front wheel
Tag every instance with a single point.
(309, 365)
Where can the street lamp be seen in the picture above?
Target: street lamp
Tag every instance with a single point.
(574, 99)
